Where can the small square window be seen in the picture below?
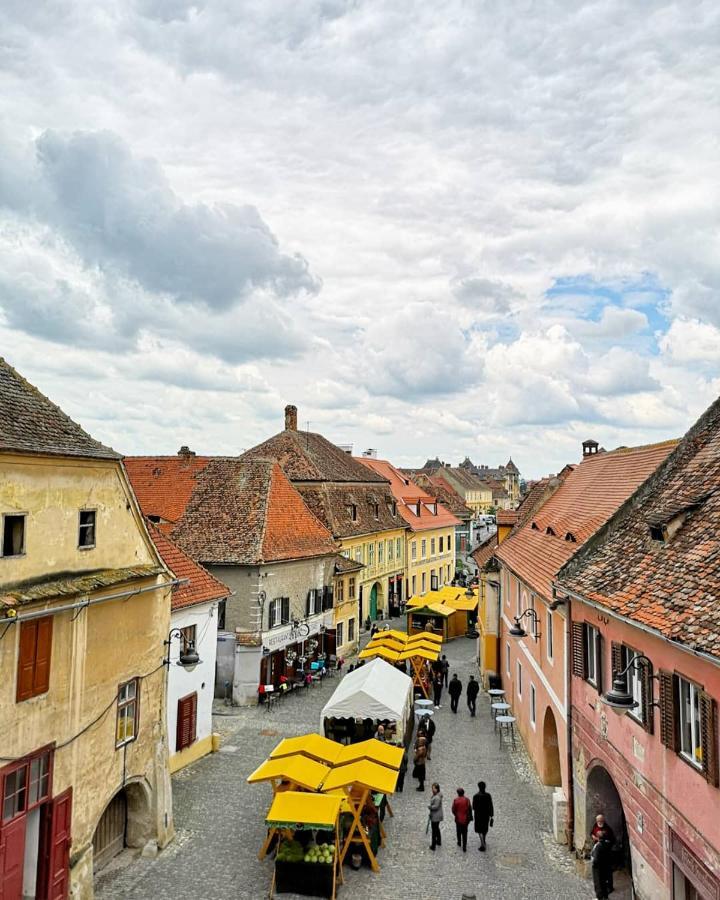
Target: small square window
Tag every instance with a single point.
(86, 535)
(13, 535)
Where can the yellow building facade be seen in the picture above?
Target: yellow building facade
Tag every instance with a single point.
(84, 613)
(346, 610)
(430, 559)
(379, 584)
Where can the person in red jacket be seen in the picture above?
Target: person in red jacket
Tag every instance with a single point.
(462, 811)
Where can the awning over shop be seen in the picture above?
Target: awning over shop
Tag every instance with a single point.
(365, 773)
(298, 770)
(298, 810)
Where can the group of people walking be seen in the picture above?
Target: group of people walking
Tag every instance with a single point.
(454, 686)
(480, 811)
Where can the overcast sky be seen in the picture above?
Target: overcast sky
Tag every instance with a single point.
(483, 228)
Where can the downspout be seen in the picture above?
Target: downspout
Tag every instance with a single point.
(570, 827)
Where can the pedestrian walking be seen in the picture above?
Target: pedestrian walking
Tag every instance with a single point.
(437, 688)
(462, 811)
(419, 764)
(445, 669)
(436, 815)
(603, 838)
(483, 813)
(472, 691)
(455, 691)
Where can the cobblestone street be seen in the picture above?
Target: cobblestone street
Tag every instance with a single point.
(219, 818)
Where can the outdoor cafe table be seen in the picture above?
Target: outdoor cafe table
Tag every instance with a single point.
(506, 723)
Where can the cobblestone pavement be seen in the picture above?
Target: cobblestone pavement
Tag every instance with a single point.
(219, 818)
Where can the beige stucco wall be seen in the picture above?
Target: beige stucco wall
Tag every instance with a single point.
(437, 562)
(91, 656)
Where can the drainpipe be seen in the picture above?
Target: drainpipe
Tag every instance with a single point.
(570, 827)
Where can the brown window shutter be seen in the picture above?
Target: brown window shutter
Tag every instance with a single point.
(616, 658)
(26, 659)
(599, 661)
(183, 732)
(41, 680)
(193, 718)
(579, 668)
(709, 725)
(646, 681)
(668, 711)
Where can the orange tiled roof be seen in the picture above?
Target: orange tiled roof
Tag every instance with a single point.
(585, 500)
(407, 492)
(201, 586)
(671, 586)
(163, 485)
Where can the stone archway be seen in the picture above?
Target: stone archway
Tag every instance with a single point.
(126, 821)
(602, 796)
(551, 770)
(377, 602)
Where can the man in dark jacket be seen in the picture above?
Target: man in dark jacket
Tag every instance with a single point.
(483, 813)
(445, 669)
(437, 688)
(472, 692)
(455, 691)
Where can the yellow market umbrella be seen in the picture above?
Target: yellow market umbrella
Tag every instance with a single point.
(315, 746)
(374, 750)
(297, 770)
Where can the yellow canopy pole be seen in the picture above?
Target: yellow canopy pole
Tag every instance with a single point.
(416, 663)
(357, 803)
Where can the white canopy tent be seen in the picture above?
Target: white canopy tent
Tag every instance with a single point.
(375, 691)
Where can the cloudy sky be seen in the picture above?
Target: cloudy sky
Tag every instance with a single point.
(458, 228)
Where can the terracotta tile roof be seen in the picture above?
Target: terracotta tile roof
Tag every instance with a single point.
(585, 500)
(439, 488)
(163, 485)
(30, 423)
(407, 493)
(507, 516)
(672, 586)
(73, 584)
(344, 565)
(306, 456)
(245, 512)
(484, 552)
(201, 586)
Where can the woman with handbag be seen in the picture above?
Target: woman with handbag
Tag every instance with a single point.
(483, 813)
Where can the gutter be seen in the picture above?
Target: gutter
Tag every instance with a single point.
(635, 624)
(83, 604)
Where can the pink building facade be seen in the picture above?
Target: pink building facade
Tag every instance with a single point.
(646, 771)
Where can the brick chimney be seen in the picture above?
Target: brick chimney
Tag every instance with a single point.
(290, 418)
(185, 451)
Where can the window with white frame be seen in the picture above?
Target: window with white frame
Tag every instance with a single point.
(690, 722)
(590, 636)
(634, 681)
(441, 544)
(413, 550)
(381, 552)
(519, 679)
(390, 550)
(532, 704)
(433, 580)
(371, 554)
(507, 660)
(414, 585)
(423, 548)
(550, 649)
(432, 546)
(398, 548)
(422, 583)
(519, 603)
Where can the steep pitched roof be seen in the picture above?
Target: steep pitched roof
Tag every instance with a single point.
(586, 499)
(306, 456)
(334, 505)
(30, 423)
(200, 586)
(163, 485)
(408, 494)
(670, 585)
(444, 492)
(484, 552)
(511, 467)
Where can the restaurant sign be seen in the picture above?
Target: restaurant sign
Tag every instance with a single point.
(702, 878)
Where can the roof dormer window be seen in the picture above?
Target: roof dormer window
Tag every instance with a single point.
(377, 511)
(550, 530)
(352, 510)
(571, 537)
(534, 527)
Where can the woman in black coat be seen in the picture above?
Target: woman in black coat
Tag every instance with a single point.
(483, 813)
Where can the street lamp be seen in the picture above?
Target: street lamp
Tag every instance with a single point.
(188, 658)
(517, 631)
(619, 698)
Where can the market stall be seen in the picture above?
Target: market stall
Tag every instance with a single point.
(450, 611)
(314, 746)
(366, 785)
(374, 693)
(303, 863)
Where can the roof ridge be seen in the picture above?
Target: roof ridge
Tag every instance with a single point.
(622, 451)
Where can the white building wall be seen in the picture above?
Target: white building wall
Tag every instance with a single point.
(202, 678)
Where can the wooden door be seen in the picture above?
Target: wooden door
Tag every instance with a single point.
(109, 837)
(54, 882)
(12, 855)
